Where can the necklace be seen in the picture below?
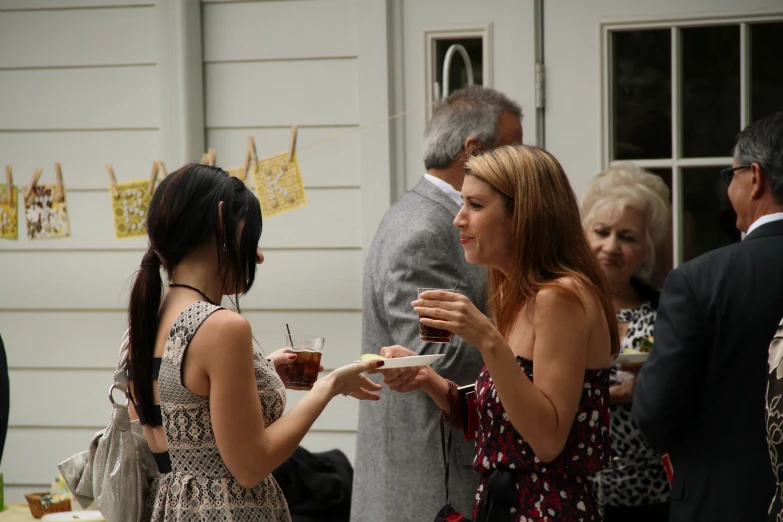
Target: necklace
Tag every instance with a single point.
(180, 285)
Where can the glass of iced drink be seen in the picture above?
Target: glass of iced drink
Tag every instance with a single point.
(430, 334)
(303, 372)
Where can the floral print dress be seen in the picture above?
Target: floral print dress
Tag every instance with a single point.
(545, 491)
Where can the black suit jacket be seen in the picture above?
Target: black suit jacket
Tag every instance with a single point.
(700, 396)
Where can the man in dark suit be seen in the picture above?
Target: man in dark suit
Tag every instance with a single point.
(700, 396)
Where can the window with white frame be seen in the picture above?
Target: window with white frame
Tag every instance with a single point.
(676, 95)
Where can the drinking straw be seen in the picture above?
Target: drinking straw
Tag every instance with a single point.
(289, 335)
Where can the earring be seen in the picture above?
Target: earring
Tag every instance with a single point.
(225, 246)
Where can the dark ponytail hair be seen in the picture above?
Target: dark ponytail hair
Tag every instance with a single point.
(183, 216)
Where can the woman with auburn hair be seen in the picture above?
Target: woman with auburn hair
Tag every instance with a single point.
(542, 411)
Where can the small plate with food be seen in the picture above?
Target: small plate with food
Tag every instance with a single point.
(401, 362)
(632, 357)
(638, 355)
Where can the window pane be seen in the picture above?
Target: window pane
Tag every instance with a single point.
(641, 94)
(458, 75)
(766, 69)
(710, 90)
(664, 253)
(709, 221)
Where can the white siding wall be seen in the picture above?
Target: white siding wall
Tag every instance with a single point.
(82, 85)
(261, 78)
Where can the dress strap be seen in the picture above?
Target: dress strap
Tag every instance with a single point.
(185, 327)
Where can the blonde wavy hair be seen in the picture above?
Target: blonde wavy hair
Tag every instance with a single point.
(628, 185)
(547, 238)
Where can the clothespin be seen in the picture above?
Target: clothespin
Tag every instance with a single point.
(162, 169)
(292, 148)
(59, 190)
(251, 159)
(8, 199)
(153, 176)
(204, 159)
(212, 157)
(115, 192)
(33, 182)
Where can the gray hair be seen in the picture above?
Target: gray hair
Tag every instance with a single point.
(470, 112)
(762, 142)
(628, 185)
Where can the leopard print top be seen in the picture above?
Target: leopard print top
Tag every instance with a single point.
(635, 475)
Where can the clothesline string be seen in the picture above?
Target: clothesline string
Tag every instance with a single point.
(363, 127)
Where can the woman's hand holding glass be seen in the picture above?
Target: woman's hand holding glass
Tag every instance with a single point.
(456, 313)
(283, 359)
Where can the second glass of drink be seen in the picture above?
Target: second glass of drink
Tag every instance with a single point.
(303, 372)
(430, 334)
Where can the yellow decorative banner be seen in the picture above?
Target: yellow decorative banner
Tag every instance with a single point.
(130, 206)
(47, 217)
(279, 184)
(9, 213)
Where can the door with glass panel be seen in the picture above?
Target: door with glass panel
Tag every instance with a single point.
(676, 95)
(492, 42)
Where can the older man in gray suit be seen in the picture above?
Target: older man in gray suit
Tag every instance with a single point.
(399, 467)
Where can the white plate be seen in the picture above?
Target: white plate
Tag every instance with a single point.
(410, 361)
(633, 357)
(74, 515)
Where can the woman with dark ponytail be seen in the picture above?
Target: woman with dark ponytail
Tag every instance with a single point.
(211, 405)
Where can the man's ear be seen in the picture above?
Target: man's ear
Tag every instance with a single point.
(758, 182)
(472, 147)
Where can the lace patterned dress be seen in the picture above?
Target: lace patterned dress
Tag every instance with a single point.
(200, 487)
(553, 491)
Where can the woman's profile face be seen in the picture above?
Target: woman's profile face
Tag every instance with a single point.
(484, 225)
(619, 240)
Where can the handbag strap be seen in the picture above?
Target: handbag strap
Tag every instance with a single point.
(446, 449)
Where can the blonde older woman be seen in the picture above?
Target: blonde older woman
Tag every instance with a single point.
(626, 215)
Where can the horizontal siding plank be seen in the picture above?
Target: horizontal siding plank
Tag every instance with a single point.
(303, 92)
(82, 154)
(75, 339)
(303, 29)
(327, 164)
(43, 398)
(106, 37)
(28, 5)
(31, 455)
(106, 97)
(318, 442)
(293, 279)
(331, 219)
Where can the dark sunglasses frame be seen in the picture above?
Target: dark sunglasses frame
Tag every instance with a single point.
(728, 174)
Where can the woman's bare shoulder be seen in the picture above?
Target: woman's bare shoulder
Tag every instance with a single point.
(223, 332)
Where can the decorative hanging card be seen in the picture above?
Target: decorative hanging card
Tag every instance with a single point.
(130, 203)
(9, 213)
(46, 213)
(279, 184)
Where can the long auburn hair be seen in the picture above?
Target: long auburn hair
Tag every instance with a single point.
(184, 215)
(548, 240)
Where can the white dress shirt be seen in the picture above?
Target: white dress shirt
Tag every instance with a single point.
(446, 188)
(763, 220)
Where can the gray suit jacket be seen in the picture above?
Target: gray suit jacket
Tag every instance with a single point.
(399, 466)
